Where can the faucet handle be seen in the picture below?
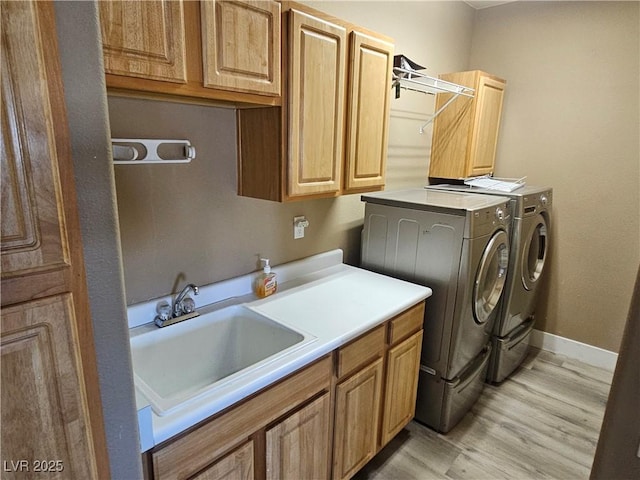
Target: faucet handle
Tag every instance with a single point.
(164, 311)
(188, 305)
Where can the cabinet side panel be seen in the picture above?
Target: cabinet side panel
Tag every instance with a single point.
(260, 153)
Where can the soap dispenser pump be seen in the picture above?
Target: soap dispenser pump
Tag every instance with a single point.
(266, 283)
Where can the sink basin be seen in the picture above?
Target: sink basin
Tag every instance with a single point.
(175, 364)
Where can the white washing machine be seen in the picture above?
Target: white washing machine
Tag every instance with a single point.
(457, 244)
(529, 235)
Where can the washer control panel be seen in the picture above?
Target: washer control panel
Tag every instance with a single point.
(532, 204)
(486, 220)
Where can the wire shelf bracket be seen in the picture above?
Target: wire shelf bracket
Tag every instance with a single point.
(408, 79)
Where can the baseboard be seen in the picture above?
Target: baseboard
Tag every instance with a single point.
(598, 357)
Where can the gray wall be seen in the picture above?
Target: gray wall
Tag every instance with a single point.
(572, 121)
(85, 98)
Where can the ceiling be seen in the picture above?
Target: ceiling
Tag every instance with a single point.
(480, 4)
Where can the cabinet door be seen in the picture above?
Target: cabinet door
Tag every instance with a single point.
(317, 58)
(403, 365)
(144, 39)
(370, 64)
(465, 134)
(357, 418)
(48, 364)
(451, 130)
(489, 96)
(43, 407)
(298, 447)
(237, 465)
(241, 45)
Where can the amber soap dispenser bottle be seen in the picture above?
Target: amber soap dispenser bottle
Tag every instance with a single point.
(266, 283)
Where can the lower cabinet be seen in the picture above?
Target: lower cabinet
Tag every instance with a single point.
(219, 438)
(357, 418)
(324, 421)
(235, 465)
(403, 365)
(298, 446)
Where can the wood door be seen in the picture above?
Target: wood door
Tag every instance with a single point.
(44, 412)
(144, 39)
(298, 446)
(451, 130)
(357, 418)
(48, 362)
(241, 45)
(489, 97)
(370, 64)
(316, 101)
(237, 465)
(403, 365)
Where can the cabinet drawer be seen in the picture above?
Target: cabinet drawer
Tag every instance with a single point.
(406, 323)
(361, 351)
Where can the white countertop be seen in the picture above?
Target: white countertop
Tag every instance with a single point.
(320, 295)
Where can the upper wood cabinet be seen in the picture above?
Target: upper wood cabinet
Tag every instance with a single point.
(317, 54)
(144, 39)
(50, 395)
(370, 64)
(465, 134)
(214, 49)
(241, 45)
(330, 136)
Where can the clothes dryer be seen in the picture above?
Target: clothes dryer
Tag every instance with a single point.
(529, 235)
(456, 244)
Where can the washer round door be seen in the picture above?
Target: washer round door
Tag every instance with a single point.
(490, 277)
(534, 252)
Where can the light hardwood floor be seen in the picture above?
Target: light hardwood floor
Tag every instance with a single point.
(541, 423)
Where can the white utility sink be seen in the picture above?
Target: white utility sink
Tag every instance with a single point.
(187, 360)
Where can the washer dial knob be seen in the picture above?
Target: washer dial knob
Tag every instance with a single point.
(544, 200)
(500, 214)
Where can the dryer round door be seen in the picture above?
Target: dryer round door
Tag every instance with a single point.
(534, 252)
(490, 277)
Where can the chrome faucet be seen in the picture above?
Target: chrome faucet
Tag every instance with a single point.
(183, 308)
(183, 304)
